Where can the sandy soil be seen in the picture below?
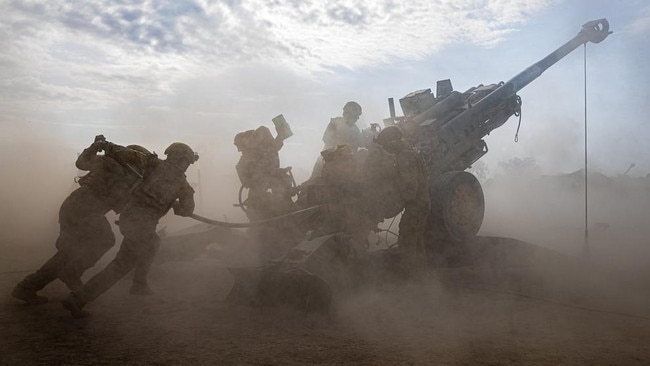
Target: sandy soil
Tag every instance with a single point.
(546, 311)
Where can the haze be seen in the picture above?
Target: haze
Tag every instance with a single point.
(155, 72)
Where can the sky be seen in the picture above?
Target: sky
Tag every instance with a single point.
(155, 72)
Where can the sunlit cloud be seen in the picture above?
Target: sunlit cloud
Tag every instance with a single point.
(96, 53)
(641, 25)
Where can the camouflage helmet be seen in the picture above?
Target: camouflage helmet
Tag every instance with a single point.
(181, 150)
(243, 140)
(139, 148)
(352, 108)
(389, 134)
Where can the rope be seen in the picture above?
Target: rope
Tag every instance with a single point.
(252, 223)
(388, 231)
(518, 114)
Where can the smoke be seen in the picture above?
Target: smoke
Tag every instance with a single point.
(37, 173)
(536, 282)
(514, 304)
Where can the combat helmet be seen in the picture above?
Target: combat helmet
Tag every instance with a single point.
(352, 108)
(181, 150)
(388, 135)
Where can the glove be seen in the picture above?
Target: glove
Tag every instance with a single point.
(178, 209)
(100, 143)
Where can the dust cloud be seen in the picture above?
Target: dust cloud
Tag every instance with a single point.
(37, 174)
(530, 298)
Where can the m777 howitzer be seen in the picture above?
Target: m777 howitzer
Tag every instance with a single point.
(448, 131)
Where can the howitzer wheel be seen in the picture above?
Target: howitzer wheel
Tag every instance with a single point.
(457, 204)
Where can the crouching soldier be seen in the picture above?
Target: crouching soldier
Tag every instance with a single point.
(85, 234)
(164, 186)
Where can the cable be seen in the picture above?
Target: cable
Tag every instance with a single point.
(253, 223)
(388, 231)
(586, 242)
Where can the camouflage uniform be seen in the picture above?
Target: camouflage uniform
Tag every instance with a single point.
(259, 170)
(270, 189)
(414, 190)
(379, 179)
(340, 192)
(341, 131)
(411, 184)
(85, 233)
(341, 189)
(164, 186)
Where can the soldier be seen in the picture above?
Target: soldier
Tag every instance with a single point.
(413, 188)
(259, 171)
(341, 191)
(164, 186)
(341, 131)
(270, 187)
(85, 234)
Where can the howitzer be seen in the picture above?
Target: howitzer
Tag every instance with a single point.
(448, 130)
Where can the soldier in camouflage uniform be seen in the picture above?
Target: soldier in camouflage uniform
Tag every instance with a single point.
(270, 189)
(269, 186)
(412, 185)
(341, 131)
(85, 233)
(164, 186)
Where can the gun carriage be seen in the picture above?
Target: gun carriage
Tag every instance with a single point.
(448, 130)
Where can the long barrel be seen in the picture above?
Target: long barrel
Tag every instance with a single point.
(459, 138)
(594, 31)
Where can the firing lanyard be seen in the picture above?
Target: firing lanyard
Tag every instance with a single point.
(518, 114)
(253, 223)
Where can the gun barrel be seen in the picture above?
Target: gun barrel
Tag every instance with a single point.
(594, 31)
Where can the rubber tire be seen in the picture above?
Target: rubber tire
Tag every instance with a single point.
(457, 206)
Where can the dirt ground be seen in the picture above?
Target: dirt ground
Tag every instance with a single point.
(530, 308)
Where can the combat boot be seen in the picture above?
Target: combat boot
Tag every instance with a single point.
(27, 295)
(75, 306)
(73, 282)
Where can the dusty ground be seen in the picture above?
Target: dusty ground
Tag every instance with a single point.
(546, 311)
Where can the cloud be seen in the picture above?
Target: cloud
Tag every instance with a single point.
(103, 52)
(641, 25)
(356, 34)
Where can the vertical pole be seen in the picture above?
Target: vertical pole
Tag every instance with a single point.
(586, 239)
(200, 190)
